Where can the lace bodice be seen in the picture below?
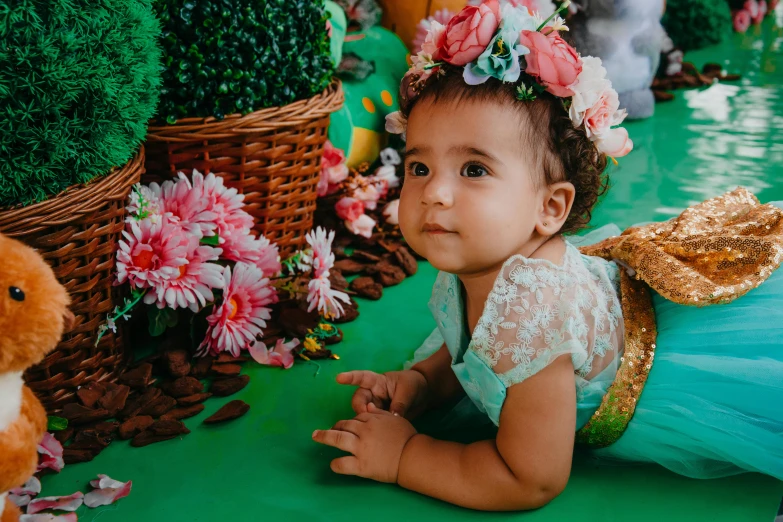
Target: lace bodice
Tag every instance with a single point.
(536, 312)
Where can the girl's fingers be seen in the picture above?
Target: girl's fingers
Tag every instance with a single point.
(346, 466)
(372, 408)
(363, 379)
(351, 426)
(341, 440)
(360, 400)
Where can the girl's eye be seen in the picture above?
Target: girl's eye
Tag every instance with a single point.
(474, 171)
(418, 169)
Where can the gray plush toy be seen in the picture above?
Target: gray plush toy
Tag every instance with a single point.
(627, 35)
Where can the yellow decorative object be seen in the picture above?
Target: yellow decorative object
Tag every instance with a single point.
(402, 16)
(369, 106)
(365, 147)
(311, 345)
(386, 97)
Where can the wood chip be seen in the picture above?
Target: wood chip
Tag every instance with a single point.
(159, 431)
(177, 363)
(90, 393)
(184, 413)
(230, 386)
(65, 435)
(296, 322)
(75, 456)
(406, 260)
(114, 399)
(389, 275)
(363, 256)
(159, 406)
(232, 410)
(183, 387)
(78, 415)
(226, 370)
(366, 287)
(135, 404)
(190, 400)
(350, 313)
(135, 425)
(138, 378)
(350, 267)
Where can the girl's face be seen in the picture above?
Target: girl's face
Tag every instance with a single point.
(470, 200)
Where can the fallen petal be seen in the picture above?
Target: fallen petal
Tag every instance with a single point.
(51, 452)
(109, 495)
(19, 500)
(48, 517)
(69, 503)
(259, 352)
(105, 481)
(32, 487)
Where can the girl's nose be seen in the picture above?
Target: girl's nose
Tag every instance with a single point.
(437, 192)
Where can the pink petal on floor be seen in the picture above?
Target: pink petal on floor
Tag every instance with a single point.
(51, 453)
(19, 500)
(48, 517)
(105, 481)
(106, 496)
(69, 503)
(32, 487)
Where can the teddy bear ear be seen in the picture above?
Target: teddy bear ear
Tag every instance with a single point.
(70, 321)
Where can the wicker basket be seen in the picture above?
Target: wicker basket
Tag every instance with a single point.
(77, 232)
(272, 156)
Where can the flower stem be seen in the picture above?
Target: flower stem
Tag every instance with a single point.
(557, 12)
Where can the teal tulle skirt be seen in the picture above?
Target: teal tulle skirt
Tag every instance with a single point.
(713, 403)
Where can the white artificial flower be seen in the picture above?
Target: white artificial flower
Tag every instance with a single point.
(396, 123)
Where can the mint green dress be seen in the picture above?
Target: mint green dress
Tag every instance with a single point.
(713, 402)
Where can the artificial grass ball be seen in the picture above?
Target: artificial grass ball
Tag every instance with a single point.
(695, 24)
(225, 57)
(79, 79)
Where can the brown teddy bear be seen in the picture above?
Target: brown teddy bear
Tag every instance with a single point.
(33, 315)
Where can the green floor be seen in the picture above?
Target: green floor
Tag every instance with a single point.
(265, 466)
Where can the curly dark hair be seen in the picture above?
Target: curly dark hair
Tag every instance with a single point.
(568, 154)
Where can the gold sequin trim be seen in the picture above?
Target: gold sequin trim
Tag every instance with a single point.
(617, 407)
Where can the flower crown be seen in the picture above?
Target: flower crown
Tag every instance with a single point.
(490, 42)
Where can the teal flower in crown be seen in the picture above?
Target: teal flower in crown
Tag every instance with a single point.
(501, 58)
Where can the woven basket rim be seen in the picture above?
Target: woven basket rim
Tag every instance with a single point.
(294, 114)
(74, 201)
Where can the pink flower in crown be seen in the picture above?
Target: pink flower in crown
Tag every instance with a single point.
(741, 20)
(349, 209)
(237, 321)
(369, 194)
(469, 33)
(363, 226)
(553, 62)
(333, 169)
(151, 252)
(280, 355)
(429, 32)
(243, 247)
(392, 212)
(192, 288)
(319, 256)
(321, 296)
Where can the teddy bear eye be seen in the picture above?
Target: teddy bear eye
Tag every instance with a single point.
(16, 293)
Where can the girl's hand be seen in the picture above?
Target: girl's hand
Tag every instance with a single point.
(402, 393)
(375, 439)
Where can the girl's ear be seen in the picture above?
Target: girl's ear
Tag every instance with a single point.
(558, 199)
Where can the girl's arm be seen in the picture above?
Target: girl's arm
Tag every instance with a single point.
(528, 464)
(442, 384)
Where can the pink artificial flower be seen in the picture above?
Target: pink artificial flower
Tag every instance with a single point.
(107, 491)
(552, 61)
(391, 212)
(615, 143)
(244, 247)
(51, 454)
(349, 209)
(280, 355)
(544, 8)
(23, 495)
(238, 320)
(428, 32)
(322, 296)
(151, 252)
(362, 226)
(48, 517)
(741, 20)
(226, 203)
(333, 169)
(192, 288)
(69, 503)
(469, 33)
(604, 114)
(319, 256)
(369, 195)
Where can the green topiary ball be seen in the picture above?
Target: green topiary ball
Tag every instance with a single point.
(79, 79)
(237, 56)
(695, 24)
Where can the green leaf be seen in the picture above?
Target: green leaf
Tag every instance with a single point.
(57, 424)
(211, 240)
(160, 319)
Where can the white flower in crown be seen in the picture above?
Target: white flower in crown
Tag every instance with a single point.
(396, 123)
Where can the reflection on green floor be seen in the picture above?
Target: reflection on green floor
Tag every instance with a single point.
(264, 466)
